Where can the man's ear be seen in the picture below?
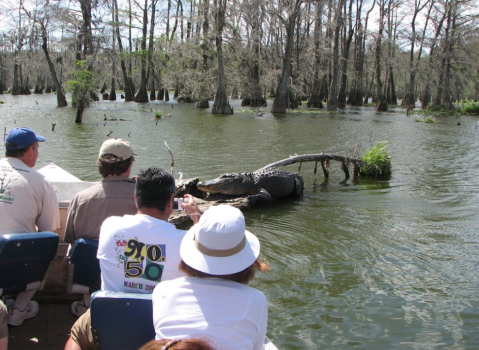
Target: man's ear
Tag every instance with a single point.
(170, 202)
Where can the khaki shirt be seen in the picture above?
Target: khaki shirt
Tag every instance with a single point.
(112, 196)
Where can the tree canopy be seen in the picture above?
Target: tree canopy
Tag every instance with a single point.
(333, 52)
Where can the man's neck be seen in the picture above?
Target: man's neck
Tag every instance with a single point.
(153, 213)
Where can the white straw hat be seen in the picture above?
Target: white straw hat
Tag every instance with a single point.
(219, 244)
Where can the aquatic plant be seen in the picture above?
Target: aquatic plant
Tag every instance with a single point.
(427, 120)
(376, 161)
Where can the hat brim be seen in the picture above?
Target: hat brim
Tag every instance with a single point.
(219, 265)
(40, 138)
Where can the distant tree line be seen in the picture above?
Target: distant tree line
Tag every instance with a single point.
(318, 52)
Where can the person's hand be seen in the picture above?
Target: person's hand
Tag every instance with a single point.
(191, 208)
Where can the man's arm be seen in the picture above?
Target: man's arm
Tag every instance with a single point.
(191, 208)
(70, 236)
(49, 218)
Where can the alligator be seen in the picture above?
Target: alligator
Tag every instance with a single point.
(263, 184)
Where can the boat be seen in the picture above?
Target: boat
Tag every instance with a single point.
(50, 329)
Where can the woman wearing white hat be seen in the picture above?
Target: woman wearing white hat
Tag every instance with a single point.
(219, 257)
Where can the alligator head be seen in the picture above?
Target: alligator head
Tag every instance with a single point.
(237, 184)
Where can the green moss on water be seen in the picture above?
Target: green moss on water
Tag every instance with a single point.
(427, 120)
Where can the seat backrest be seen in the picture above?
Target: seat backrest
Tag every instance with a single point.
(86, 265)
(125, 321)
(121, 320)
(25, 258)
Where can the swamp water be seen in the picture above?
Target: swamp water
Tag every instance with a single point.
(368, 264)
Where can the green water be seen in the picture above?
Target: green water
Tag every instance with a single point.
(368, 264)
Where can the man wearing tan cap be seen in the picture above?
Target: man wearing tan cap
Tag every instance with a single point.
(112, 196)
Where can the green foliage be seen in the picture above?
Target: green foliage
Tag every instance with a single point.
(427, 120)
(376, 161)
(308, 111)
(2, 102)
(438, 111)
(471, 108)
(81, 85)
(158, 114)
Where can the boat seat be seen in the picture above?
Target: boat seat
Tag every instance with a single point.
(121, 320)
(25, 259)
(125, 321)
(84, 275)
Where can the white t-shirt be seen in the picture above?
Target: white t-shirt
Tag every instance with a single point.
(136, 252)
(27, 199)
(228, 314)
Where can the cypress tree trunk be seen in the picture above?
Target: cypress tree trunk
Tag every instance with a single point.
(127, 79)
(16, 86)
(252, 94)
(282, 98)
(381, 99)
(345, 59)
(60, 92)
(203, 96)
(314, 98)
(112, 96)
(333, 90)
(221, 104)
(142, 95)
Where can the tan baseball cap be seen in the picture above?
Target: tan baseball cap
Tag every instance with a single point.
(115, 150)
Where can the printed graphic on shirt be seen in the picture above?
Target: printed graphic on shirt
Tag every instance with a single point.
(140, 260)
(5, 186)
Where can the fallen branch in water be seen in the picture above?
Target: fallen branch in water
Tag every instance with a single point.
(324, 159)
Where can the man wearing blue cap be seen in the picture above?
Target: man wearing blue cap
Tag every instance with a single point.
(28, 203)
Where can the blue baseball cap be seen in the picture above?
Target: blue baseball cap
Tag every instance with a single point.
(22, 138)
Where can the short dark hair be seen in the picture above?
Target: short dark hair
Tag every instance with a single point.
(242, 277)
(118, 168)
(154, 187)
(14, 153)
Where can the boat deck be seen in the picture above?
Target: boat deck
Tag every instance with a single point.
(49, 330)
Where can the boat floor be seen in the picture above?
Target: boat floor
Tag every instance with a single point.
(49, 330)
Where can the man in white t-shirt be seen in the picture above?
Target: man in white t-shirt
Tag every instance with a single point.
(28, 203)
(136, 252)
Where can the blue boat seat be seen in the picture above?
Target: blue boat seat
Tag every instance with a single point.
(25, 259)
(125, 321)
(84, 275)
(121, 320)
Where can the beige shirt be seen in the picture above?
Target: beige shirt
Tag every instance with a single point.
(112, 196)
(27, 199)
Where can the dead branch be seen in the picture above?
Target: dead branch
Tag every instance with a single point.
(172, 160)
(313, 158)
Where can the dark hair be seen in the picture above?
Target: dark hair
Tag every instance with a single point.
(118, 168)
(154, 187)
(187, 344)
(242, 277)
(14, 153)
